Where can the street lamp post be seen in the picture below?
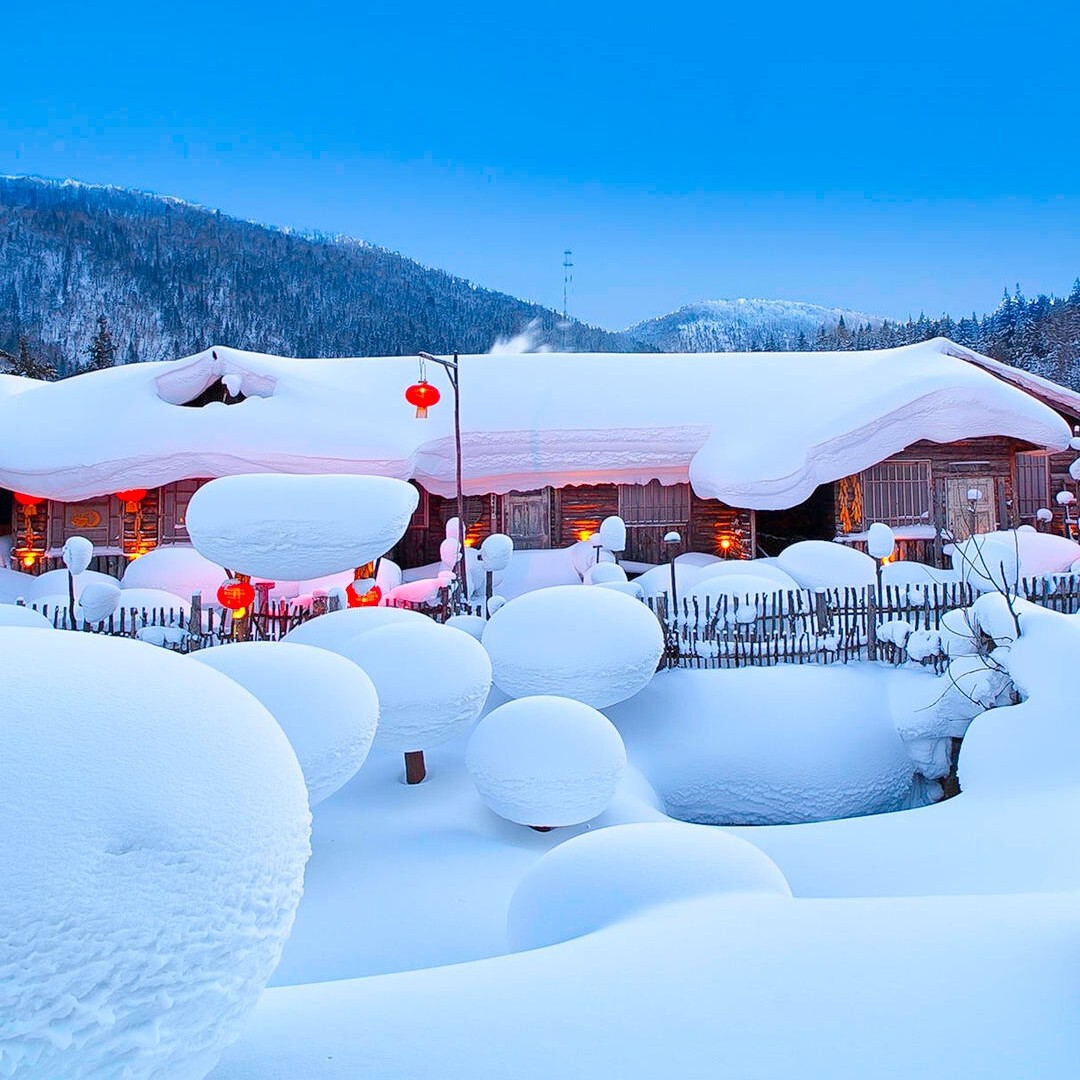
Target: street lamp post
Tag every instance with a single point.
(672, 539)
(452, 369)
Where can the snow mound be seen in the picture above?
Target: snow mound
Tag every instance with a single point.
(823, 564)
(154, 836)
(473, 625)
(768, 746)
(597, 646)
(989, 562)
(545, 761)
(298, 527)
(752, 592)
(326, 705)
(1032, 554)
(601, 878)
(336, 629)
(759, 568)
(16, 615)
(55, 583)
(657, 581)
(14, 584)
(180, 570)
(432, 682)
(604, 573)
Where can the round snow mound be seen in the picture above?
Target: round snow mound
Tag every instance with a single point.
(769, 746)
(275, 525)
(180, 570)
(824, 564)
(17, 615)
(325, 704)
(546, 761)
(336, 629)
(432, 681)
(600, 878)
(597, 646)
(154, 836)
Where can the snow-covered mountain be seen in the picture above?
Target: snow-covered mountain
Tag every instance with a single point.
(744, 325)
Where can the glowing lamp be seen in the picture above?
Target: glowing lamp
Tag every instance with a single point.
(131, 499)
(584, 534)
(423, 395)
(28, 501)
(29, 559)
(236, 595)
(725, 543)
(370, 598)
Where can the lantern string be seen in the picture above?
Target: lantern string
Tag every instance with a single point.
(423, 370)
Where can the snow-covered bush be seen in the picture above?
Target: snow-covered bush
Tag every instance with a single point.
(77, 553)
(298, 527)
(604, 877)
(824, 564)
(98, 601)
(155, 831)
(594, 645)
(612, 533)
(325, 704)
(989, 562)
(604, 573)
(545, 761)
(16, 615)
(432, 682)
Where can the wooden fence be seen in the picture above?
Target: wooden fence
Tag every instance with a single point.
(824, 626)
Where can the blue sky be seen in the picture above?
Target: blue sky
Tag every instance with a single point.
(891, 158)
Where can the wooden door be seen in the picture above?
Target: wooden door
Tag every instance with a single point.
(527, 518)
(959, 516)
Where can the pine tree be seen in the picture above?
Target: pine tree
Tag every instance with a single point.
(102, 349)
(26, 364)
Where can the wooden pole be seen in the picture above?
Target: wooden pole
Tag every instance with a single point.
(415, 769)
(455, 378)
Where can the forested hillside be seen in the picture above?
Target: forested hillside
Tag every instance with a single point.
(172, 278)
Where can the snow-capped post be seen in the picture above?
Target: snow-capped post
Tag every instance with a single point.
(495, 554)
(1065, 500)
(452, 369)
(1043, 516)
(612, 534)
(880, 542)
(77, 553)
(672, 539)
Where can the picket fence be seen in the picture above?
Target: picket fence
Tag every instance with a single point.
(824, 626)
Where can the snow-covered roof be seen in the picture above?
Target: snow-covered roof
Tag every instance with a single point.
(758, 430)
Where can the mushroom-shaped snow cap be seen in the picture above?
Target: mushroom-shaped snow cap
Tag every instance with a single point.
(154, 833)
(597, 646)
(603, 877)
(325, 704)
(546, 761)
(432, 682)
(336, 629)
(273, 525)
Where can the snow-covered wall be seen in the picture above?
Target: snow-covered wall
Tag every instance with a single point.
(758, 431)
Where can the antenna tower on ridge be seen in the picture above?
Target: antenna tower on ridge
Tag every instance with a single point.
(567, 278)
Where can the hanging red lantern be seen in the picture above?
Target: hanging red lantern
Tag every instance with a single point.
(131, 498)
(423, 395)
(236, 595)
(29, 501)
(370, 598)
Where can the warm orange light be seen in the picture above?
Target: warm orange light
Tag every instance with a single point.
(470, 541)
(584, 534)
(29, 559)
(725, 544)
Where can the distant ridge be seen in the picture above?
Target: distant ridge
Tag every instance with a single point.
(172, 277)
(745, 325)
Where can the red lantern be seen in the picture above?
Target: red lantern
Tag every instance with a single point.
(370, 598)
(29, 501)
(132, 497)
(236, 595)
(422, 395)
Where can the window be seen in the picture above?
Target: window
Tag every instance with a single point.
(897, 493)
(654, 503)
(1032, 482)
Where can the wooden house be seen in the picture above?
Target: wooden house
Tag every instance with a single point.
(741, 453)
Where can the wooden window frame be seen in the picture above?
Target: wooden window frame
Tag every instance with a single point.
(1043, 502)
(630, 508)
(899, 508)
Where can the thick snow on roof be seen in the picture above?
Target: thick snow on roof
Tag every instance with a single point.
(758, 430)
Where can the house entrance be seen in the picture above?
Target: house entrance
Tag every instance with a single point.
(814, 519)
(960, 520)
(527, 518)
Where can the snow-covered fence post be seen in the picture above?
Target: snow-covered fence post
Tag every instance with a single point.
(495, 554)
(194, 624)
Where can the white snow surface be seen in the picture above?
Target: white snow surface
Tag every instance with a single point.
(824, 564)
(598, 879)
(298, 527)
(1035, 554)
(327, 706)
(153, 837)
(837, 414)
(546, 761)
(768, 746)
(337, 629)
(595, 645)
(16, 615)
(432, 681)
